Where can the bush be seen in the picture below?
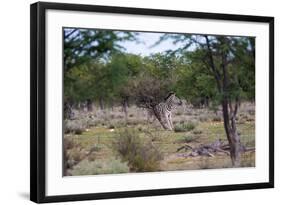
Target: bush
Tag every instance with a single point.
(134, 122)
(74, 126)
(197, 132)
(188, 139)
(203, 118)
(184, 127)
(73, 154)
(111, 166)
(68, 143)
(111, 126)
(245, 118)
(217, 118)
(141, 156)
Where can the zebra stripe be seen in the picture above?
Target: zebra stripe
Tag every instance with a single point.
(163, 111)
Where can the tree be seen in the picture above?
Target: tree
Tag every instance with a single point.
(157, 78)
(230, 62)
(84, 50)
(83, 45)
(194, 83)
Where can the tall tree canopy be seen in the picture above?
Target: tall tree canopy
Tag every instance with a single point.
(85, 54)
(82, 45)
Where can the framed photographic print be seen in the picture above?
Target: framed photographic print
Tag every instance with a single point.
(129, 102)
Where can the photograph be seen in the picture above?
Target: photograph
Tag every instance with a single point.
(134, 102)
(146, 101)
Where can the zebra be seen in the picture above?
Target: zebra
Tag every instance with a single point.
(163, 111)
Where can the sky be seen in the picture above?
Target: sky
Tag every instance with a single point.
(147, 40)
(145, 45)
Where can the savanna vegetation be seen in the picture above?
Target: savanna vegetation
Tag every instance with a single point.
(109, 94)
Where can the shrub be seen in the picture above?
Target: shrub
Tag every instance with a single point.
(141, 128)
(203, 118)
(68, 143)
(251, 112)
(250, 119)
(73, 154)
(111, 126)
(100, 166)
(245, 118)
(217, 118)
(134, 122)
(74, 126)
(184, 127)
(95, 148)
(114, 124)
(141, 156)
(197, 132)
(188, 139)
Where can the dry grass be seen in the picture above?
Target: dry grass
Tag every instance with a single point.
(101, 130)
(108, 166)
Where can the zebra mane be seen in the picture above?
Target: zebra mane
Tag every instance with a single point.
(169, 95)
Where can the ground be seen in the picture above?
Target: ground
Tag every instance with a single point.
(94, 147)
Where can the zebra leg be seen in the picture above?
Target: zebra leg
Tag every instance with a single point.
(161, 122)
(164, 125)
(168, 122)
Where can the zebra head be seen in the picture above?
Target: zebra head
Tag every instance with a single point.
(172, 99)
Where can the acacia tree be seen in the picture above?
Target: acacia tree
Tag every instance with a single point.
(83, 50)
(230, 62)
(83, 45)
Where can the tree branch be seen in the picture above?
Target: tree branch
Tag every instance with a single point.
(70, 33)
(212, 65)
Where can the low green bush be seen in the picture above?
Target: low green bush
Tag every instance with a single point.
(141, 156)
(184, 127)
(197, 132)
(110, 126)
(217, 118)
(188, 139)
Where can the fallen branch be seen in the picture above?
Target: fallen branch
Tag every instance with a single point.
(210, 149)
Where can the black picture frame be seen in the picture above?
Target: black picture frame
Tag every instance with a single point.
(38, 101)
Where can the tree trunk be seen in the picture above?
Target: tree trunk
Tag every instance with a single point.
(235, 149)
(101, 103)
(125, 109)
(68, 110)
(231, 132)
(221, 75)
(89, 104)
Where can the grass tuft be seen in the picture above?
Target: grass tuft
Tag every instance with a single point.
(184, 127)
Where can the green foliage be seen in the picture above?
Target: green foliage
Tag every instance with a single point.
(200, 76)
(96, 69)
(82, 45)
(188, 139)
(141, 156)
(217, 118)
(184, 127)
